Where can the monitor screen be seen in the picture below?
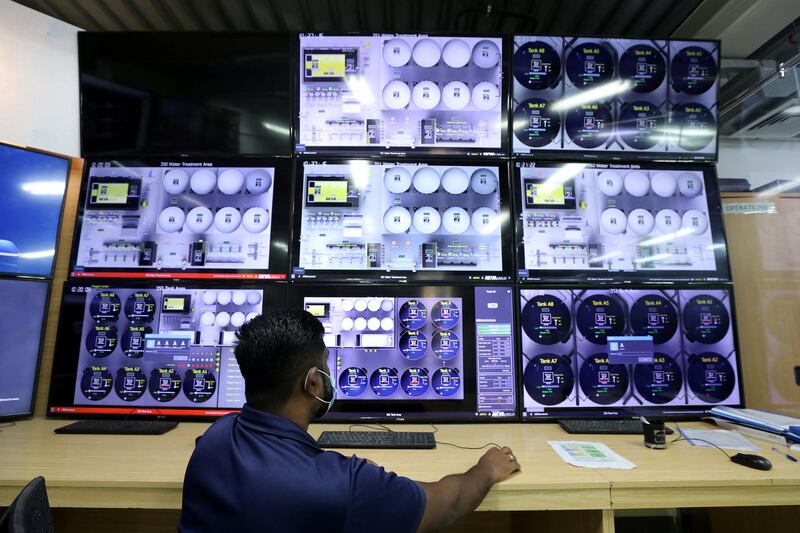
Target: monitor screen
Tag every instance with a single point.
(417, 352)
(184, 219)
(153, 350)
(189, 93)
(625, 352)
(23, 329)
(359, 219)
(32, 186)
(390, 93)
(607, 222)
(614, 98)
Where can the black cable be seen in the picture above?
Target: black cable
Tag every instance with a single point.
(677, 432)
(469, 447)
(436, 429)
(690, 439)
(10, 424)
(374, 427)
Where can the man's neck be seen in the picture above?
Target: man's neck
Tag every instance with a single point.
(290, 411)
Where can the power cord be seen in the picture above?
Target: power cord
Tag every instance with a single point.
(10, 424)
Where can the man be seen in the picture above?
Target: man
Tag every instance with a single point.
(261, 471)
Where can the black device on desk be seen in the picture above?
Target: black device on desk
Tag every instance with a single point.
(117, 427)
(752, 461)
(417, 440)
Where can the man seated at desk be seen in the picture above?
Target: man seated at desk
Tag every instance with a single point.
(260, 470)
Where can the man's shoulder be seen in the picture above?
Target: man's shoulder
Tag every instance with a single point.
(220, 428)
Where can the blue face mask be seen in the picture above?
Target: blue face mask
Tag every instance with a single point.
(331, 396)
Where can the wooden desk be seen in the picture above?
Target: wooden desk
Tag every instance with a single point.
(146, 472)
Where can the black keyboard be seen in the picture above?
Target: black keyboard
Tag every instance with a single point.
(418, 440)
(611, 426)
(117, 427)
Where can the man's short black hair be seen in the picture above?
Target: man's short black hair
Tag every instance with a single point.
(273, 349)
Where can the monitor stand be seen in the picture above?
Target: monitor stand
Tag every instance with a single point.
(117, 427)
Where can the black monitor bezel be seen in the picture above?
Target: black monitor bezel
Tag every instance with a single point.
(294, 300)
(612, 156)
(287, 149)
(59, 225)
(44, 318)
(406, 276)
(716, 224)
(60, 402)
(651, 412)
(281, 211)
(324, 152)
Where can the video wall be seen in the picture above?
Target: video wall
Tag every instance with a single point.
(24, 328)
(614, 221)
(417, 351)
(614, 97)
(403, 220)
(627, 350)
(31, 182)
(152, 349)
(183, 219)
(486, 226)
(419, 93)
(32, 190)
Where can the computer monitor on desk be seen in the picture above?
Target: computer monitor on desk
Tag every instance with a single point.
(22, 328)
(153, 350)
(617, 352)
(423, 353)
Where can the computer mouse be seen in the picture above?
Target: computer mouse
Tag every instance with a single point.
(752, 461)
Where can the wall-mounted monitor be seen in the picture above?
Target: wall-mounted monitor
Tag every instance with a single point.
(617, 223)
(609, 98)
(391, 93)
(412, 352)
(624, 352)
(190, 93)
(402, 220)
(32, 186)
(149, 350)
(184, 219)
(23, 328)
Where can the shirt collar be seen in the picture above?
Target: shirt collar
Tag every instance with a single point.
(263, 422)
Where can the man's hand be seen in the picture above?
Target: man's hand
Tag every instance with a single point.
(500, 463)
(454, 496)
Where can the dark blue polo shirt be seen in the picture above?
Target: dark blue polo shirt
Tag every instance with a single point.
(256, 471)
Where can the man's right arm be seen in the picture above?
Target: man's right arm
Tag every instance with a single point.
(454, 496)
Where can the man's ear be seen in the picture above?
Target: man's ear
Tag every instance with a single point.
(311, 382)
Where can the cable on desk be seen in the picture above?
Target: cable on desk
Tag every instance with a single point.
(436, 429)
(374, 427)
(690, 439)
(10, 424)
(469, 447)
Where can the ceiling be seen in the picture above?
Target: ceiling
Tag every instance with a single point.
(753, 97)
(657, 19)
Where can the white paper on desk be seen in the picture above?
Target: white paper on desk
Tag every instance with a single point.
(731, 440)
(589, 454)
